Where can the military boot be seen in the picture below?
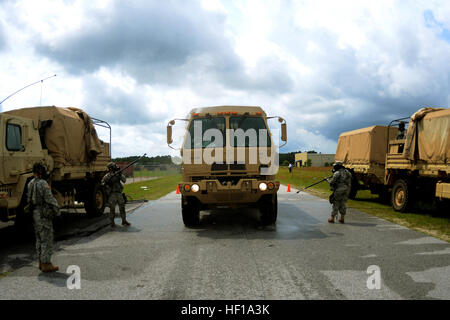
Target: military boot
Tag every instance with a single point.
(49, 267)
(331, 220)
(112, 224)
(125, 222)
(341, 220)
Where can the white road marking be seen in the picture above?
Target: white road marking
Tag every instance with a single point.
(445, 251)
(424, 240)
(439, 277)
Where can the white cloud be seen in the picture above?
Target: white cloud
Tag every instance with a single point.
(325, 66)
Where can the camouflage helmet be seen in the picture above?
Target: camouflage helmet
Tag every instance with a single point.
(401, 125)
(39, 167)
(111, 165)
(337, 165)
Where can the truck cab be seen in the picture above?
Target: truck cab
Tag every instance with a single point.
(20, 149)
(229, 159)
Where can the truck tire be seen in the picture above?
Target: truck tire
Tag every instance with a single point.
(23, 222)
(401, 197)
(354, 185)
(190, 211)
(384, 196)
(442, 206)
(269, 209)
(353, 189)
(95, 201)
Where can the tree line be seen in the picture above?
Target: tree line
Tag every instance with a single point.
(284, 157)
(146, 160)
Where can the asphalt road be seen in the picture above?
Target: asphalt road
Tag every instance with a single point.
(230, 256)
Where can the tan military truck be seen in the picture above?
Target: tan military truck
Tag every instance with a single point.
(363, 152)
(65, 140)
(229, 159)
(417, 166)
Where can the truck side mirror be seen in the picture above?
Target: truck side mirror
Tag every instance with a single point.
(283, 132)
(169, 134)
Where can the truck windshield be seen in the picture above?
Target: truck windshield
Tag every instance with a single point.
(251, 137)
(212, 133)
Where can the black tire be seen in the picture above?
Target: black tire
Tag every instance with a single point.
(23, 222)
(353, 189)
(442, 206)
(401, 196)
(384, 196)
(269, 209)
(3, 215)
(95, 201)
(190, 211)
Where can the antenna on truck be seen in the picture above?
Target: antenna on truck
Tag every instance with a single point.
(42, 80)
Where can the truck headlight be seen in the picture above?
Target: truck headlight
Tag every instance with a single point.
(195, 188)
(263, 186)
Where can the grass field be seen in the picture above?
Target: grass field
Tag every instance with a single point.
(155, 173)
(155, 188)
(423, 217)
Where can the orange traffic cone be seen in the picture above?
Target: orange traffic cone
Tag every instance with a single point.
(178, 189)
(289, 187)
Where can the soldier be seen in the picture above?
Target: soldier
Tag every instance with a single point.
(44, 207)
(401, 131)
(340, 184)
(112, 180)
(401, 135)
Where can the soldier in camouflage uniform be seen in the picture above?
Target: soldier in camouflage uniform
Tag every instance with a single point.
(340, 184)
(112, 181)
(44, 207)
(401, 131)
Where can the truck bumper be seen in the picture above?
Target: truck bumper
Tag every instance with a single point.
(212, 192)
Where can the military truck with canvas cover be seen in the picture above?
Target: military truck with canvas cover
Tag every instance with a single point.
(417, 166)
(66, 142)
(229, 159)
(363, 152)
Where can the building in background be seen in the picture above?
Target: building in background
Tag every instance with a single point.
(317, 159)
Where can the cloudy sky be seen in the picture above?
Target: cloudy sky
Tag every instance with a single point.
(325, 66)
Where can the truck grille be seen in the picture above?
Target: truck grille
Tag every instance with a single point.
(225, 167)
(219, 167)
(237, 166)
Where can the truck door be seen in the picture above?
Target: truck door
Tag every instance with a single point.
(12, 148)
